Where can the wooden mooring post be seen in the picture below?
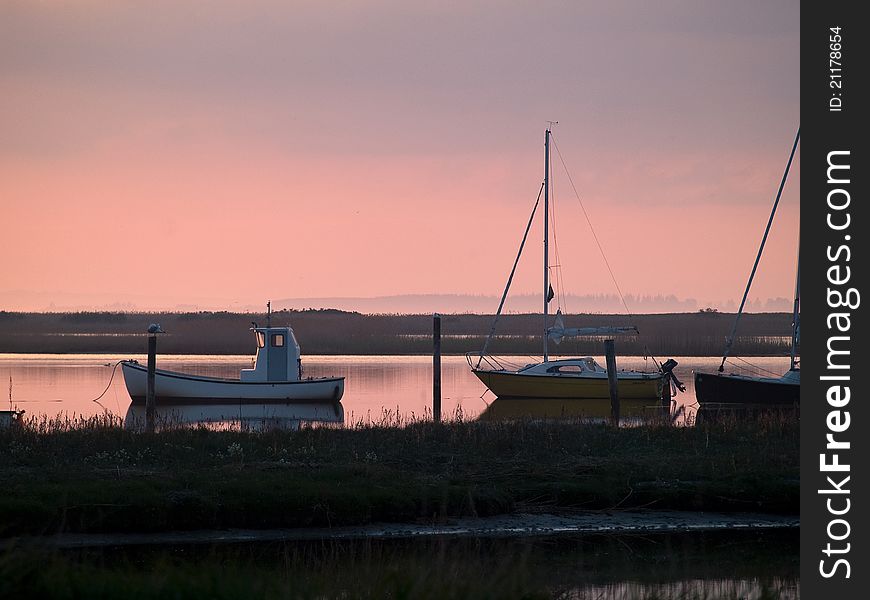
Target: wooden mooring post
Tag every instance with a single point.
(436, 368)
(149, 390)
(610, 359)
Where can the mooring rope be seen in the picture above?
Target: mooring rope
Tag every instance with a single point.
(108, 385)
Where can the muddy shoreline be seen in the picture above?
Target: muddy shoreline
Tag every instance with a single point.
(506, 526)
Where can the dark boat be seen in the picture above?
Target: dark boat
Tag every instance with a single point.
(728, 389)
(722, 388)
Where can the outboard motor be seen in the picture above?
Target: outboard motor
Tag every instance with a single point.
(668, 373)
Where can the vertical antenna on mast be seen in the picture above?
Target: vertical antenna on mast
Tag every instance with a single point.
(546, 236)
(546, 233)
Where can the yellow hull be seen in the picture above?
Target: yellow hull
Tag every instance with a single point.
(507, 384)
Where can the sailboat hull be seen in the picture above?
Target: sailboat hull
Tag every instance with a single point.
(509, 384)
(719, 388)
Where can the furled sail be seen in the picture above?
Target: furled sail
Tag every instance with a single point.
(559, 331)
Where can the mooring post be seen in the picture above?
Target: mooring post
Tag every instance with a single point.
(149, 390)
(610, 358)
(436, 368)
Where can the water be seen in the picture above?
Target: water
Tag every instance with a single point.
(399, 386)
(733, 564)
(738, 563)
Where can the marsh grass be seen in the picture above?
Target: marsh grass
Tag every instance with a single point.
(338, 332)
(91, 475)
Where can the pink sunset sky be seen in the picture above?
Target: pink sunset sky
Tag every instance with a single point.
(219, 154)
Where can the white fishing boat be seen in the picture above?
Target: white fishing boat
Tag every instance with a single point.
(13, 416)
(9, 418)
(577, 378)
(276, 377)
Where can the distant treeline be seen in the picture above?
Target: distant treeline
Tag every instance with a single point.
(338, 332)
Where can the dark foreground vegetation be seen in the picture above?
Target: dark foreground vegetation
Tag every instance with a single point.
(338, 332)
(94, 476)
(750, 565)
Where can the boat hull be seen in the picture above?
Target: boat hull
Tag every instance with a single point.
(509, 384)
(719, 388)
(172, 388)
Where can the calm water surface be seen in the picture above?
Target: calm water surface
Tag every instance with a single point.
(752, 565)
(742, 565)
(53, 384)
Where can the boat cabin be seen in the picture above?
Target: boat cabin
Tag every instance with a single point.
(570, 366)
(278, 357)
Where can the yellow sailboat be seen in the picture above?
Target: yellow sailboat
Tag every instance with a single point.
(571, 378)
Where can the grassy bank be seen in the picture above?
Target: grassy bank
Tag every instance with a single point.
(337, 332)
(96, 477)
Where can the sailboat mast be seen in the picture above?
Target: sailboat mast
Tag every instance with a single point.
(546, 236)
(730, 339)
(795, 323)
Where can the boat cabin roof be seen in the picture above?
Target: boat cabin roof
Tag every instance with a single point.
(271, 327)
(279, 336)
(587, 364)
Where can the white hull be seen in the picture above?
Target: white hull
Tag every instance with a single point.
(173, 388)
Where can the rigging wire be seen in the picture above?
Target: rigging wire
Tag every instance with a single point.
(591, 228)
(753, 365)
(511, 277)
(600, 247)
(730, 340)
(556, 268)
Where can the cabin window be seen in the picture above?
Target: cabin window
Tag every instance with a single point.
(261, 339)
(575, 369)
(277, 340)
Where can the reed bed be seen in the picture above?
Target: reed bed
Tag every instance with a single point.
(91, 475)
(338, 332)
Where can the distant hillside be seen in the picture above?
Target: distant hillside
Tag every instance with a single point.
(519, 303)
(391, 304)
(485, 304)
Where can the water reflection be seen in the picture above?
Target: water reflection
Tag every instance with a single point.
(734, 564)
(48, 385)
(251, 417)
(590, 409)
(782, 589)
(717, 412)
